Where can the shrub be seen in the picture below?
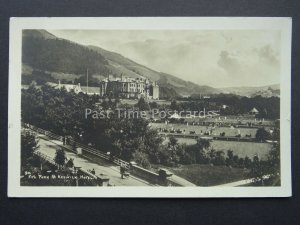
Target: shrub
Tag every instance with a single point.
(141, 159)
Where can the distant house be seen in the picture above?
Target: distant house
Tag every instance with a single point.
(69, 87)
(253, 111)
(225, 106)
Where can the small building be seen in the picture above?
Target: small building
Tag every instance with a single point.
(253, 111)
(225, 106)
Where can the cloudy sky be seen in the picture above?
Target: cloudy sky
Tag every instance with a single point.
(216, 58)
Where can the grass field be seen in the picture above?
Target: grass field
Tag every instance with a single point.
(207, 175)
(242, 149)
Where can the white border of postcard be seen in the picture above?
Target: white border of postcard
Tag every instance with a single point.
(157, 23)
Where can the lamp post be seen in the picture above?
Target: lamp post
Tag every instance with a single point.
(74, 137)
(76, 168)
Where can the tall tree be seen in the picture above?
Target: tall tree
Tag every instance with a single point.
(143, 105)
(29, 144)
(258, 170)
(262, 135)
(201, 154)
(60, 157)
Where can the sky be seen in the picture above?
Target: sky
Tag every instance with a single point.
(218, 58)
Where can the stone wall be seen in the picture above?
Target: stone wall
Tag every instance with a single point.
(144, 174)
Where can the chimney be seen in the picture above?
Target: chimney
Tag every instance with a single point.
(79, 85)
(59, 85)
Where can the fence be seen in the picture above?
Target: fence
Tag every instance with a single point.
(88, 149)
(212, 137)
(102, 181)
(45, 157)
(148, 175)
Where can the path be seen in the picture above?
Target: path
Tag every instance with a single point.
(48, 147)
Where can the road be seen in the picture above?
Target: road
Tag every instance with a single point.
(48, 147)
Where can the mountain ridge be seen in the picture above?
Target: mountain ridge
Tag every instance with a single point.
(43, 51)
(265, 90)
(58, 58)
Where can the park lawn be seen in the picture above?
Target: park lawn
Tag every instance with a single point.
(208, 175)
(242, 149)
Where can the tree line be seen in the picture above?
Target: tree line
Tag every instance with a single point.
(62, 112)
(234, 105)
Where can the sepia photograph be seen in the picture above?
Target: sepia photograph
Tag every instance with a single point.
(149, 107)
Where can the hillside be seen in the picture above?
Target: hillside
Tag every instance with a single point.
(44, 53)
(38, 34)
(46, 57)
